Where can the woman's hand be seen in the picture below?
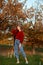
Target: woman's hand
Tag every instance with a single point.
(20, 45)
(11, 33)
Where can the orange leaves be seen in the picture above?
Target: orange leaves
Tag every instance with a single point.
(13, 10)
(2, 16)
(1, 3)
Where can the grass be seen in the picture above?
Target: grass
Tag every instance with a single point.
(33, 60)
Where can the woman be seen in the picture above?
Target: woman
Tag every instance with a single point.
(19, 36)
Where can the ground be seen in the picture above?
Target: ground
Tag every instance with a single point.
(33, 60)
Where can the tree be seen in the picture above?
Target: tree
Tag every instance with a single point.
(1, 3)
(10, 12)
(13, 10)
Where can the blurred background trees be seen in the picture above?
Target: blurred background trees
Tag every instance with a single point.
(13, 12)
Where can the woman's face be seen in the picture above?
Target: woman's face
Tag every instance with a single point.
(18, 27)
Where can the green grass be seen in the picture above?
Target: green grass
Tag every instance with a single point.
(33, 60)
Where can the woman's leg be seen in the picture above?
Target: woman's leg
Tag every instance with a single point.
(16, 46)
(22, 50)
(16, 51)
(23, 53)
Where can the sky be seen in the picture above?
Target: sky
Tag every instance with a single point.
(33, 3)
(30, 3)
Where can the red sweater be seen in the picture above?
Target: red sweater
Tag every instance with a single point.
(18, 35)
